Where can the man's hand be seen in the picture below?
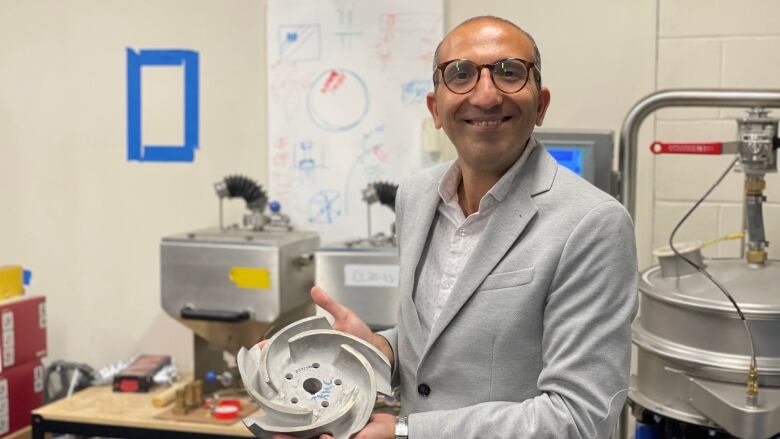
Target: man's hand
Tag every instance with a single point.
(380, 426)
(284, 436)
(347, 321)
(344, 318)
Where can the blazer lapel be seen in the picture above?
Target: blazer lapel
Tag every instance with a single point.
(420, 219)
(505, 226)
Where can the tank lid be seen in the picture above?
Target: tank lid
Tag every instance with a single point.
(755, 289)
(236, 236)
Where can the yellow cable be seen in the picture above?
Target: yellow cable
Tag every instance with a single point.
(728, 237)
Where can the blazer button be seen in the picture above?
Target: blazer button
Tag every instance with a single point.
(424, 390)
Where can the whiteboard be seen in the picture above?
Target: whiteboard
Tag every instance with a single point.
(347, 82)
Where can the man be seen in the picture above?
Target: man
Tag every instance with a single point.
(518, 279)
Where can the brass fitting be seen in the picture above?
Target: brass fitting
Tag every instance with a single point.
(179, 404)
(188, 398)
(755, 185)
(756, 256)
(752, 385)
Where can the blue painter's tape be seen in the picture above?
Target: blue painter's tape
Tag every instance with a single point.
(189, 60)
(26, 277)
(133, 106)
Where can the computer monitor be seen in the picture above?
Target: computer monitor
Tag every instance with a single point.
(586, 153)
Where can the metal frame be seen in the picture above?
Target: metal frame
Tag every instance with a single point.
(677, 98)
(41, 426)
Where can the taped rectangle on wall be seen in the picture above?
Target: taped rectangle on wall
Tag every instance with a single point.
(189, 60)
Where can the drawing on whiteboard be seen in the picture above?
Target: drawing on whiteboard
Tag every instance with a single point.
(401, 31)
(290, 83)
(346, 34)
(281, 171)
(324, 207)
(306, 162)
(337, 100)
(300, 42)
(346, 37)
(414, 92)
(281, 156)
(345, 15)
(371, 160)
(387, 26)
(346, 82)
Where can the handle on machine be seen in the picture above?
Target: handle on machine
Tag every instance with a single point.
(211, 315)
(709, 148)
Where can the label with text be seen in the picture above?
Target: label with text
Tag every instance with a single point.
(371, 275)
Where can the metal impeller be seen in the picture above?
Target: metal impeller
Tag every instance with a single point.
(311, 380)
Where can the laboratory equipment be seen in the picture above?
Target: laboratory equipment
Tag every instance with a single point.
(362, 274)
(235, 285)
(587, 153)
(708, 334)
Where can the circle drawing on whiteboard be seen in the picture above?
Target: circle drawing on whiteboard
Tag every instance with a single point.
(337, 100)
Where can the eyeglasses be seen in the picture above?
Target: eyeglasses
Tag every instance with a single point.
(461, 75)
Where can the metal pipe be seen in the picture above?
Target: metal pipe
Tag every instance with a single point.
(676, 98)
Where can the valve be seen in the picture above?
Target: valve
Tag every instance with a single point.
(706, 148)
(224, 378)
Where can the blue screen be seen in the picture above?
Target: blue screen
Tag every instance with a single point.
(569, 156)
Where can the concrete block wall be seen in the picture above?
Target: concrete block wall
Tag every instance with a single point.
(711, 44)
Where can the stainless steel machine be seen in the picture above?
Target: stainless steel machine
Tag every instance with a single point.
(232, 286)
(363, 274)
(708, 334)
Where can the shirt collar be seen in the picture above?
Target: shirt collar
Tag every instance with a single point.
(448, 184)
(502, 186)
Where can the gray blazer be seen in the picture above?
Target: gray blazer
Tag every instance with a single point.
(534, 340)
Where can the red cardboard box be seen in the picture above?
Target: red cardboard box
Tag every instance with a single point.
(21, 391)
(22, 330)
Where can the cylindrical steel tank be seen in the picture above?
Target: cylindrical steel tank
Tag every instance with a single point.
(693, 350)
(694, 353)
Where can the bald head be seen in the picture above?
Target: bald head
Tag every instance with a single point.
(489, 19)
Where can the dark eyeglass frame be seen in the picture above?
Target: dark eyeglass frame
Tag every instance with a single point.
(530, 67)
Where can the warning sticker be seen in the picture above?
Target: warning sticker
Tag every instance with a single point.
(38, 379)
(8, 320)
(5, 423)
(9, 352)
(42, 315)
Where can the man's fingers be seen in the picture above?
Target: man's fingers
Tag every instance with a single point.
(324, 301)
(284, 436)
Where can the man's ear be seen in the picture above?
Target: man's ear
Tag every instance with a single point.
(541, 107)
(430, 100)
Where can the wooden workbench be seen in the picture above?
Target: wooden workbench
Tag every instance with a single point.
(101, 411)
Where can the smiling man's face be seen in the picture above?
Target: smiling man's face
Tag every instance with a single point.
(488, 127)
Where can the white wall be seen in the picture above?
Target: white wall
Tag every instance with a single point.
(85, 220)
(88, 222)
(716, 44)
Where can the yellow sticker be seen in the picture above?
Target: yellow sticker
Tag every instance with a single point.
(11, 281)
(250, 277)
